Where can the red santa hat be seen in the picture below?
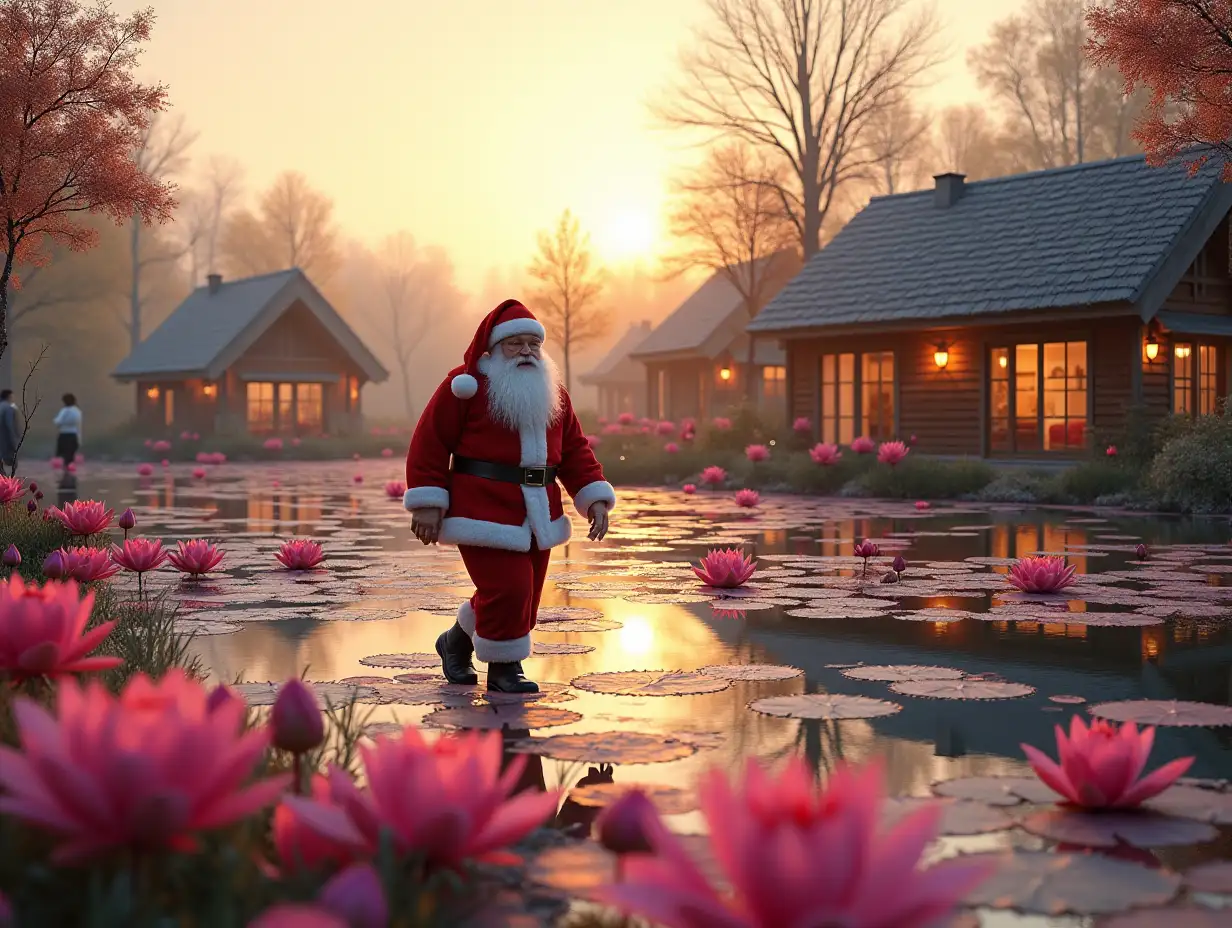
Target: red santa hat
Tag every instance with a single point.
(507, 320)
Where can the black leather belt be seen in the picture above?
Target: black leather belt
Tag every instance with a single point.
(506, 473)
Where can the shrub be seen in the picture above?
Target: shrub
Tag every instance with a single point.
(35, 538)
(1016, 486)
(1137, 441)
(927, 478)
(806, 476)
(1087, 481)
(1193, 470)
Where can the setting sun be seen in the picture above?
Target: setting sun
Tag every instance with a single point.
(627, 235)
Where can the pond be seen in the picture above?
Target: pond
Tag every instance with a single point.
(973, 670)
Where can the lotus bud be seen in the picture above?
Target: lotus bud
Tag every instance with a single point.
(1141, 552)
(38, 494)
(127, 520)
(31, 507)
(220, 696)
(899, 564)
(33, 488)
(624, 827)
(53, 566)
(296, 723)
(356, 895)
(12, 557)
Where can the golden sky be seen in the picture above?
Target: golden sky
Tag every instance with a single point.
(471, 123)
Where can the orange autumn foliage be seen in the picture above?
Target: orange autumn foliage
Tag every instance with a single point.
(1181, 50)
(71, 116)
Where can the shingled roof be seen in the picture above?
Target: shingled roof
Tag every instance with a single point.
(206, 333)
(617, 367)
(1106, 232)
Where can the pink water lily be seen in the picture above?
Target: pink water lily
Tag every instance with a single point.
(272, 444)
(863, 445)
(196, 557)
(144, 771)
(446, 800)
(300, 554)
(395, 489)
(747, 499)
(1041, 574)
(797, 857)
(43, 631)
(726, 568)
(139, 555)
(757, 453)
(712, 476)
(892, 453)
(85, 517)
(1101, 766)
(825, 454)
(11, 489)
(88, 565)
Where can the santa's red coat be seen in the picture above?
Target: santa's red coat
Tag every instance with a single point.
(491, 513)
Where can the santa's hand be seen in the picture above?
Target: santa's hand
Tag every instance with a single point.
(598, 521)
(426, 524)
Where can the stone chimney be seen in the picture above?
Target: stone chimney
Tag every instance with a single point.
(949, 189)
(214, 282)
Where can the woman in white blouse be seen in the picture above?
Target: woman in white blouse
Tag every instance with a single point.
(68, 421)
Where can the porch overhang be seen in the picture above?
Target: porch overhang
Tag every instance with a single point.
(288, 377)
(1195, 324)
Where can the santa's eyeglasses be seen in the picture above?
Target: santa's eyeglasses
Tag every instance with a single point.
(515, 346)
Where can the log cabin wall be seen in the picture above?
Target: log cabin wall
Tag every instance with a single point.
(1206, 286)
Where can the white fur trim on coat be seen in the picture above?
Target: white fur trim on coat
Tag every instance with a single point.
(516, 327)
(425, 498)
(466, 618)
(502, 652)
(598, 492)
(464, 386)
(456, 530)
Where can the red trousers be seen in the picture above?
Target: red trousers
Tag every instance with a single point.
(501, 613)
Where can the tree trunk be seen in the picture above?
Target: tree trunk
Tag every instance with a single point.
(6, 349)
(750, 375)
(404, 366)
(134, 296)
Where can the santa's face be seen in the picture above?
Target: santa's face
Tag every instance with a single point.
(523, 384)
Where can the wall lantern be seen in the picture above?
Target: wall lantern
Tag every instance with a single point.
(210, 390)
(726, 372)
(152, 393)
(1152, 347)
(1004, 361)
(354, 389)
(941, 357)
(1182, 351)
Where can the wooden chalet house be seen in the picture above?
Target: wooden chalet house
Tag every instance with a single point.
(697, 358)
(619, 380)
(264, 355)
(1015, 317)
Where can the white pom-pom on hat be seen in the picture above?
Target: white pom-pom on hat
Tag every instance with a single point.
(464, 386)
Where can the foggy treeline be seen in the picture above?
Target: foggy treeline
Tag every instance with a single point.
(1043, 106)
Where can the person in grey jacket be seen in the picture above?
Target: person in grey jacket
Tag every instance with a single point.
(9, 436)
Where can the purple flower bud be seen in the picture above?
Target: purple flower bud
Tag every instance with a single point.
(1141, 552)
(38, 495)
(32, 507)
(220, 696)
(296, 724)
(626, 825)
(33, 487)
(356, 895)
(12, 557)
(899, 564)
(127, 520)
(53, 566)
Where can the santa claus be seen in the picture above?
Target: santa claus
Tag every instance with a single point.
(482, 474)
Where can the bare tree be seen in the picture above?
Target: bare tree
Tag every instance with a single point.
(802, 78)
(898, 143)
(223, 185)
(570, 284)
(966, 141)
(30, 401)
(292, 227)
(161, 153)
(728, 217)
(1060, 109)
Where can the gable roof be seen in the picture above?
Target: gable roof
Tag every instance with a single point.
(616, 366)
(207, 332)
(1117, 231)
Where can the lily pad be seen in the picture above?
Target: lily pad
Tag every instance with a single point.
(543, 648)
(402, 661)
(751, 673)
(1042, 883)
(525, 716)
(1068, 700)
(895, 673)
(824, 706)
(1138, 828)
(1213, 877)
(1165, 712)
(961, 816)
(548, 692)
(607, 747)
(1181, 916)
(337, 694)
(581, 625)
(365, 680)
(996, 791)
(551, 614)
(650, 683)
(1202, 805)
(962, 689)
(669, 800)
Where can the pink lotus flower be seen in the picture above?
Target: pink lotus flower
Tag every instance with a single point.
(88, 565)
(161, 446)
(795, 855)
(144, 470)
(127, 520)
(300, 554)
(447, 800)
(57, 463)
(713, 476)
(688, 489)
(825, 454)
(71, 468)
(203, 457)
(185, 436)
(395, 489)
(11, 489)
(198, 473)
(87, 517)
(921, 505)
(757, 453)
(611, 430)
(141, 772)
(42, 631)
(1041, 574)
(863, 445)
(721, 424)
(671, 448)
(1101, 766)
(357, 479)
(164, 463)
(218, 458)
(195, 557)
(355, 456)
(867, 549)
(666, 428)
(747, 499)
(272, 444)
(1111, 451)
(892, 452)
(387, 452)
(725, 568)
(802, 424)
(626, 418)
(139, 555)
(593, 441)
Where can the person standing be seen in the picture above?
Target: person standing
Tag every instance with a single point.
(482, 472)
(9, 435)
(68, 421)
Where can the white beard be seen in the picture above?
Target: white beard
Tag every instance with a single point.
(523, 395)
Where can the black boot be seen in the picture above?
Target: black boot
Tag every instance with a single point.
(455, 648)
(508, 678)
